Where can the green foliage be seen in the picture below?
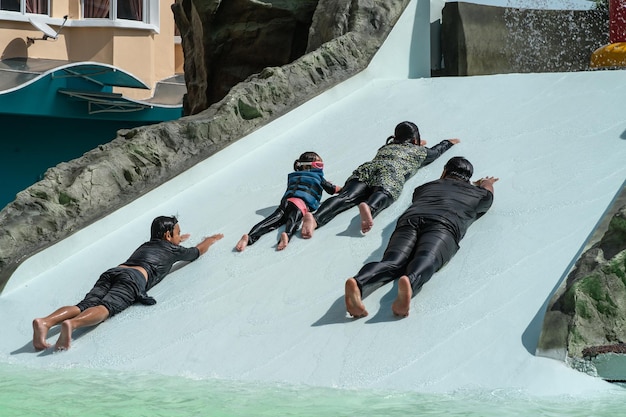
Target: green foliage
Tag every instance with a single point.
(592, 286)
(583, 310)
(65, 199)
(617, 267)
(598, 298)
(618, 224)
(246, 111)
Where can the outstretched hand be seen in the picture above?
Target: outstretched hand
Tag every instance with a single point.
(486, 183)
(184, 237)
(485, 180)
(454, 141)
(208, 241)
(215, 237)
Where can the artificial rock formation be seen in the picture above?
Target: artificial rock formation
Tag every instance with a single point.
(225, 42)
(72, 195)
(587, 315)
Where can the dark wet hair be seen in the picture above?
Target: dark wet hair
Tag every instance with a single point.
(405, 132)
(460, 168)
(305, 157)
(161, 225)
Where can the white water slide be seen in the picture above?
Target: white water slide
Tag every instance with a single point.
(557, 142)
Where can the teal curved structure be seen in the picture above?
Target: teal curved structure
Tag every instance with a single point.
(82, 90)
(54, 111)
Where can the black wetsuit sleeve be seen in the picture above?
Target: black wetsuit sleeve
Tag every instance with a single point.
(484, 204)
(328, 186)
(189, 254)
(436, 151)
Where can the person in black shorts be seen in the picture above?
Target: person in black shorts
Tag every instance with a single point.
(120, 287)
(426, 236)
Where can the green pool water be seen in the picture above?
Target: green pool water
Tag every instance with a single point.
(94, 392)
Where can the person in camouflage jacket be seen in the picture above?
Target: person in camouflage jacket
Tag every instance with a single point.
(376, 184)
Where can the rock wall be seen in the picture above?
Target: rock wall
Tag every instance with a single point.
(589, 308)
(72, 195)
(224, 42)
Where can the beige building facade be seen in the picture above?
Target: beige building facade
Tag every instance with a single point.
(137, 36)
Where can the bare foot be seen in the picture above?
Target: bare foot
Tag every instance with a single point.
(40, 332)
(354, 304)
(402, 304)
(308, 226)
(65, 338)
(367, 222)
(243, 242)
(284, 241)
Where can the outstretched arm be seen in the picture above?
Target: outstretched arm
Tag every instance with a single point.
(207, 242)
(486, 183)
(437, 150)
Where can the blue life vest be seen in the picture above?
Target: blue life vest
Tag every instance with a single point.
(306, 185)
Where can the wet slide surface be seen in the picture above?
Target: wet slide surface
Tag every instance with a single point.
(556, 141)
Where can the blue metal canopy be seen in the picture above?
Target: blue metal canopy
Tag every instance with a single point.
(55, 88)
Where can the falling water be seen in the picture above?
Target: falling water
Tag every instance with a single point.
(541, 40)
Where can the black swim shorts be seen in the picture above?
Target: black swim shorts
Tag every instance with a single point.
(116, 289)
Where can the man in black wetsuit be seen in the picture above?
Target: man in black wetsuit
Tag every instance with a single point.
(120, 287)
(426, 236)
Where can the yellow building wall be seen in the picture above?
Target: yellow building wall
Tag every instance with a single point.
(90, 44)
(179, 59)
(14, 36)
(60, 8)
(150, 58)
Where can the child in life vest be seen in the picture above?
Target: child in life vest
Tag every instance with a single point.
(303, 195)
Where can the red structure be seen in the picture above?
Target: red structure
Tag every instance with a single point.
(613, 55)
(617, 21)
